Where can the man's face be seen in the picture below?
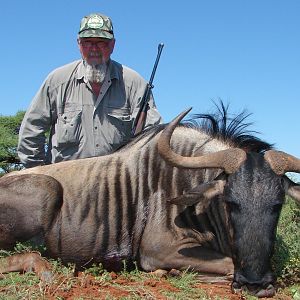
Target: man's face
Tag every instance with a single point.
(96, 51)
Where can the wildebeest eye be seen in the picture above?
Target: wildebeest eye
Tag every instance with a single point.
(283, 181)
(276, 208)
(233, 206)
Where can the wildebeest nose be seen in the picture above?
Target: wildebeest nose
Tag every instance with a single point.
(259, 288)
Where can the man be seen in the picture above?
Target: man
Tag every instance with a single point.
(88, 106)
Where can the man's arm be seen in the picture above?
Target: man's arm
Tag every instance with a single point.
(139, 85)
(37, 120)
(153, 116)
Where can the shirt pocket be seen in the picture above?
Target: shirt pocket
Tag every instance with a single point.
(69, 125)
(120, 119)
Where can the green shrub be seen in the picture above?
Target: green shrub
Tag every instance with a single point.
(286, 259)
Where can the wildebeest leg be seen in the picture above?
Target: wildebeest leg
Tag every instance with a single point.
(29, 205)
(212, 278)
(187, 256)
(27, 262)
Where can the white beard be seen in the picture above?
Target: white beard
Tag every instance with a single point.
(95, 73)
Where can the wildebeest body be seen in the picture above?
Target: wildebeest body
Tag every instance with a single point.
(114, 208)
(109, 204)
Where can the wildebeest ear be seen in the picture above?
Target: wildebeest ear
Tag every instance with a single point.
(201, 194)
(292, 189)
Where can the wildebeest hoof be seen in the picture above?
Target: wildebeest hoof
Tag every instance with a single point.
(159, 273)
(174, 273)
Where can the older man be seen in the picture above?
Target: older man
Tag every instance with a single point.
(88, 106)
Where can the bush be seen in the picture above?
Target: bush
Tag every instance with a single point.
(286, 259)
(9, 131)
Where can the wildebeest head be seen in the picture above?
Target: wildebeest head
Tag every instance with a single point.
(254, 195)
(253, 187)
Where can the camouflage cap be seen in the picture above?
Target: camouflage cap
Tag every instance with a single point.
(96, 25)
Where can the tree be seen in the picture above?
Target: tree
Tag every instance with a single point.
(9, 130)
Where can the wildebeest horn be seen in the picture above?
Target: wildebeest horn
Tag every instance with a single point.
(229, 160)
(281, 162)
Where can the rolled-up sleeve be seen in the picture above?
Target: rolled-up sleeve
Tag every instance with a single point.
(153, 116)
(36, 122)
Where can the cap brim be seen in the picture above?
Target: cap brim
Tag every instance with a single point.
(96, 33)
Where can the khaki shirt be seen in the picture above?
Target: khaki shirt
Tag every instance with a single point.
(81, 124)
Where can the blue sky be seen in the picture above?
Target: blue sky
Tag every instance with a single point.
(243, 52)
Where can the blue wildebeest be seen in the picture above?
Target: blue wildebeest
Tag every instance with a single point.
(209, 202)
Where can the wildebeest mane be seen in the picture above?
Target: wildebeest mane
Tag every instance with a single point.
(222, 126)
(219, 125)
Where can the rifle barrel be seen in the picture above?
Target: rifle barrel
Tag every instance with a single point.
(140, 119)
(160, 48)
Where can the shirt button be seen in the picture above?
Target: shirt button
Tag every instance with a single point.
(97, 145)
(96, 127)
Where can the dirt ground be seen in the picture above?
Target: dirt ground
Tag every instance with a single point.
(119, 287)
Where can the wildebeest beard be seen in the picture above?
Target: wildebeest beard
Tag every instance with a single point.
(95, 73)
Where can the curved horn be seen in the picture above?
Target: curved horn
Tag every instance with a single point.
(282, 162)
(229, 160)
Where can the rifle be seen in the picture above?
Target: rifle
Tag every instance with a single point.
(140, 119)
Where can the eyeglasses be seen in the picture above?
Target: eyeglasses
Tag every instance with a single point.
(98, 44)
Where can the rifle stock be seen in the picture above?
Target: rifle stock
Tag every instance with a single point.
(140, 123)
(140, 119)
